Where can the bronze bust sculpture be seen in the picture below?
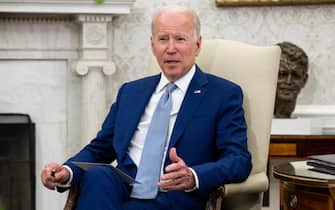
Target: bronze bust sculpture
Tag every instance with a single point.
(291, 78)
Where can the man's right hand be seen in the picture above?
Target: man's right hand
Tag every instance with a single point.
(54, 174)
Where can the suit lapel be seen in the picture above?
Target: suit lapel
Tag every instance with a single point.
(136, 102)
(194, 95)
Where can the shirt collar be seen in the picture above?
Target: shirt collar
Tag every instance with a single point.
(182, 83)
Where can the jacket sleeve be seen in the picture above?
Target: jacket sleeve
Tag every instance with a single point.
(100, 149)
(233, 162)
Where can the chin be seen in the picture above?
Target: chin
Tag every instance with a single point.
(287, 97)
(172, 77)
(172, 73)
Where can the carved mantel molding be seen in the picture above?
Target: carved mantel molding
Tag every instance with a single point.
(91, 59)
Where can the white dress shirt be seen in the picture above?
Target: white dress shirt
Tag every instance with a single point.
(137, 142)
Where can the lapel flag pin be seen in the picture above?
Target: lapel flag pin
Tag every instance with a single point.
(197, 92)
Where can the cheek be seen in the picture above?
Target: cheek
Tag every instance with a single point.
(158, 50)
(191, 52)
(299, 83)
(185, 53)
(159, 56)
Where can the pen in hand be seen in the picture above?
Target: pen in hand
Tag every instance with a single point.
(53, 172)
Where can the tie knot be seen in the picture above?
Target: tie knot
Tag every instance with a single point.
(170, 87)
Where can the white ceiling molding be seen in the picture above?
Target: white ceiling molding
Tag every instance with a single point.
(66, 6)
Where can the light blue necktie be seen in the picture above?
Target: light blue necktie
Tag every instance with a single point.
(148, 172)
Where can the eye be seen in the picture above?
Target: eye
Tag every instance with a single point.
(297, 76)
(180, 39)
(163, 39)
(282, 74)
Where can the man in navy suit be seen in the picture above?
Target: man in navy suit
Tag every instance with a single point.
(207, 140)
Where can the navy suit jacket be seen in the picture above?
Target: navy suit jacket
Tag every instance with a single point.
(209, 134)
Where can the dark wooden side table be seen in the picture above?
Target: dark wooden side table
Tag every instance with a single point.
(295, 146)
(300, 146)
(303, 189)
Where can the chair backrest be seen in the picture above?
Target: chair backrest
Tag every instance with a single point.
(255, 69)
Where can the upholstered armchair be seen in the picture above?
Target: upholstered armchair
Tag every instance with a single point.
(255, 69)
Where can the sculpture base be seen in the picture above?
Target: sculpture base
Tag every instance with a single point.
(297, 126)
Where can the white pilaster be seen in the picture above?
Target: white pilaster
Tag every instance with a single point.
(94, 66)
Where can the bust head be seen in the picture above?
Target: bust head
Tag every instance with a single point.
(291, 78)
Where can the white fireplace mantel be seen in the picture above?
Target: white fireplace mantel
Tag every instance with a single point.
(66, 6)
(58, 55)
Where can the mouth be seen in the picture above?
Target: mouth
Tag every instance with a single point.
(284, 87)
(287, 94)
(171, 61)
(288, 91)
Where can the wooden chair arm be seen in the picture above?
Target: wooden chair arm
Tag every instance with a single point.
(71, 201)
(215, 199)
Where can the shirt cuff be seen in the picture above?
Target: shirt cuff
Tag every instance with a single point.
(196, 186)
(68, 183)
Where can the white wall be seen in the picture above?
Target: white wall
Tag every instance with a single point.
(310, 27)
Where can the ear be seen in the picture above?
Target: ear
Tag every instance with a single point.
(198, 43)
(152, 46)
(305, 79)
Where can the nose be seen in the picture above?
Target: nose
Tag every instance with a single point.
(289, 78)
(171, 48)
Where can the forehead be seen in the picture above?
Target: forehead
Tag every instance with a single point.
(291, 63)
(292, 69)
(173, 22)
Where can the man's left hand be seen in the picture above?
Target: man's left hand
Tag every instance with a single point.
(178, 176)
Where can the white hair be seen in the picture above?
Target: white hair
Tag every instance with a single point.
(178, 9)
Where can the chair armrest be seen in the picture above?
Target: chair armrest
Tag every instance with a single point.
(255, 183)
(71, 201)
